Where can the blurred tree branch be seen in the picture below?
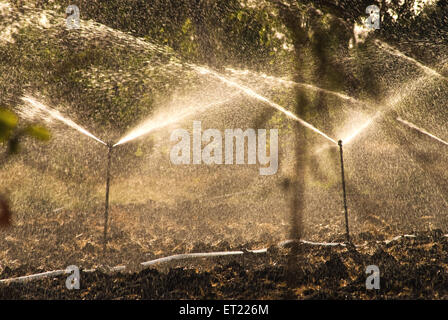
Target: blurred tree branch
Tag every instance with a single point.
(10, 135)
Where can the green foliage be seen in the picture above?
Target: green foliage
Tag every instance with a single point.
(187, 44)
(38, 132)
(10, 133)
(138, 152)
(8, 122)
(216, 33)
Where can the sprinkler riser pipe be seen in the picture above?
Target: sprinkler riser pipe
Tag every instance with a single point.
(106, 206)
(344, 191)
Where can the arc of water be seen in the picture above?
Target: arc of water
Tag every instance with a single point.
(361, 129)
(294, 83)
(385, 108)
(154, 124)
(413, 126)
(388, 48)
(56, 115)
(312, 87)
(259, 97)
(384, 46)
(436, 185)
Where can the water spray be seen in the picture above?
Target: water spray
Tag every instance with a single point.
(413, 126)
(106, 206)
(391, 50)
(344, 192)
(255, 95)
(291, 83)
(361, 128)
(54, 114)
(156, 123)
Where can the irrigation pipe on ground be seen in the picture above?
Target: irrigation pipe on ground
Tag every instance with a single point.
(193, 256)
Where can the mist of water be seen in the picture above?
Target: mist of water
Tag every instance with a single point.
(291, 83)
(390, 104)
(54, 114)
(160, 122)
(413, 126)
(259, 97)
(360, 129)
(163, 120)
(386, 47)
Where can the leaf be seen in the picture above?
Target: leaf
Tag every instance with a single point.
(240, 15)
(8, 122)
(139, 152)
(187, 26)
(8, 119)
(38, 132)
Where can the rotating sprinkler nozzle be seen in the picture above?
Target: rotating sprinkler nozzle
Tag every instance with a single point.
(344, 192)
(106, 210)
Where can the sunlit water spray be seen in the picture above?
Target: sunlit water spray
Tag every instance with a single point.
(384, 46)
(56, 115)
(354, 133)
(360, 129)
(286, 82)
(291, 83)
(163, 120)
(384, 108)
(259, 97)
(413, 126)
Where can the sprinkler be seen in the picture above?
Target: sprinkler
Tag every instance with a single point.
(106, 207)
(344, 192)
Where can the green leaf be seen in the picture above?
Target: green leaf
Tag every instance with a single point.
(139, 152)
(187, 26)
(38, 132)
(240, 15)
(8, 119)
